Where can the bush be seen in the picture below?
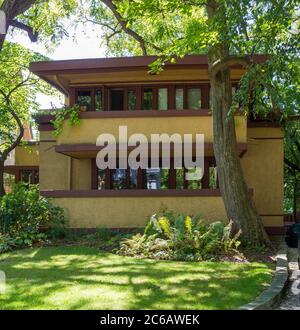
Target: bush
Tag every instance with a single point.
(181, 237)
(23, 214)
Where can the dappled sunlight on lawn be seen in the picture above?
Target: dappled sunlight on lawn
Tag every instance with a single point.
(84, 278)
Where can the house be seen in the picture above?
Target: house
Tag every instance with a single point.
(114, 92)
(22, 164)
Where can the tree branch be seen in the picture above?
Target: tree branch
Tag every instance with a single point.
(291, 165)
(124, 27)
(33, 36)
(227, 62)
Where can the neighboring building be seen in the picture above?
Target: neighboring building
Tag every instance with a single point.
(119, 91)
(22, 164)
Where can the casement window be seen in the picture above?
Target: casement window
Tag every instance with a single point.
(89, 99)
(122, 99)
(141, 97)
(29, 176)
(155, 178)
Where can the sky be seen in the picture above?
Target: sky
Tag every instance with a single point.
(86, 45)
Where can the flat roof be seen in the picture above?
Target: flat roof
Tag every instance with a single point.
(60, 73)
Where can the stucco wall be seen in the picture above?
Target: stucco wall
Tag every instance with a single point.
(91, 212)
(27, 155)
(54, 168)
(89, 129)
(263, 169)
(81, 174)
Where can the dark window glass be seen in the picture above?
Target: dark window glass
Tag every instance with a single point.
(101, 179)
(26, 177)
(194, 98)
(131, 99)
(98, 100)
(84, 100)
(124, 179)
(119, 180)
(36, 177)
(116, 100)
(148, 99)
(157, 178)
(179, 99)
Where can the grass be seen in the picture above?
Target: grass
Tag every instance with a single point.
(85, 278)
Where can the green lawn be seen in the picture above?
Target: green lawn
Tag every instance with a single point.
(84, 278)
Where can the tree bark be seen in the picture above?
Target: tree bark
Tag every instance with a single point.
(238, 201)
(2, 190)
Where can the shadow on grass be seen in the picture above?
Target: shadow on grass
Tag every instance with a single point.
(84, 278)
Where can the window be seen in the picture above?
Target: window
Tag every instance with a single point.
(90, 99)
(163, 99)
(84, 99)
(194, 98)
(29, 176)
(98, 100)
(156, 178)
(148, 99)
(179, 99)
(131, 100)
(116, 99)
(101, 177)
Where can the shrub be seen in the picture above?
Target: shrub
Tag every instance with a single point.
(181, 237)
(23, 214)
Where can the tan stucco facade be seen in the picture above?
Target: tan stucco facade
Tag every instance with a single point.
(27, 155)
(114, 212)
(261, 158)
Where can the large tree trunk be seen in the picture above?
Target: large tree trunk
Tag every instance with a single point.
(237, 198)
(295, 198)
(2, 191)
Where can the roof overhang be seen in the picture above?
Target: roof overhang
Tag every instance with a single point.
(63, 74)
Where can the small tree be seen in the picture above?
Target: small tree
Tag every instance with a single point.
(18, 89)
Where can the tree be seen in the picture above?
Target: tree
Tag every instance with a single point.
(292, 167)
(41, 19)
(230, 32)
(18, 89)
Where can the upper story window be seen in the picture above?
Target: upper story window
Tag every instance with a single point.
(89, 99)
(140, 97)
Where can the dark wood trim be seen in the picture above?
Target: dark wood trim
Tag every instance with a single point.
(132, 193)
(262, 124)
(45, 127)
(65, 148)
(268, 138)
(13, 169)
(275, 231)
(121, 63)
(272, 215)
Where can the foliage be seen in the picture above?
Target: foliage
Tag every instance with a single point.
(69, 113)
(23, 216)
(181, 237)
(292, 166)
